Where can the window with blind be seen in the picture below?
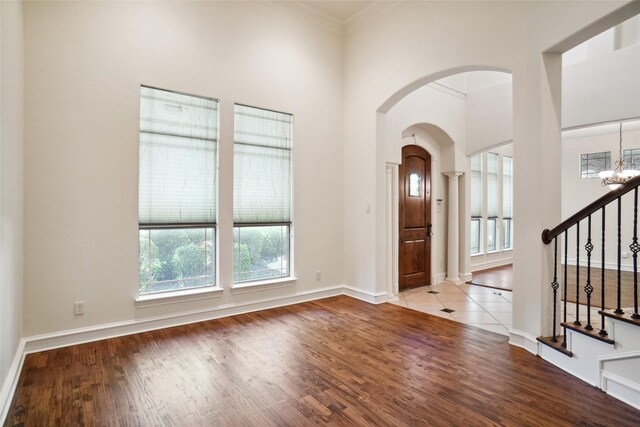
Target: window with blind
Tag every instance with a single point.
(476, 203)
(177, 191)
(507, 202)
(491, 203)
(262, 194)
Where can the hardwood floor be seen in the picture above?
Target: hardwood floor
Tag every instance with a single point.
(497, 277)
(610, 286)
(338, 361)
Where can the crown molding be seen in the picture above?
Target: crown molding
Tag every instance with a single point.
(309, 14)
(362, 18)
(331, 23)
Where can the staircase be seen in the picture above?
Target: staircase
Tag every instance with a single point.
(604, 348)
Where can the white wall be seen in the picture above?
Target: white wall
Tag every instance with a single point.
(436, 117)
(602, 89)
(489, 117)
(417, 42)
(11, 134)
(85, 62)
(578, 193)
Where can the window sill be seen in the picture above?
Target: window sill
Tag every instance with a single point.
(174, 297)
(259, 285)
(478, 254)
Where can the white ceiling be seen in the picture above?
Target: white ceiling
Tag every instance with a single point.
(339, 10)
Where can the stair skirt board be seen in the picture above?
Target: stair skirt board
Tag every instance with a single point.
(621, 388)
(590, 359)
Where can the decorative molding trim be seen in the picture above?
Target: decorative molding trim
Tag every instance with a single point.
(263, 285)
(308, 14)
(11, 381)
(524, 340)
(631, 387)
(448, 90)
(620, 356)
(362, 18)
(166, 298)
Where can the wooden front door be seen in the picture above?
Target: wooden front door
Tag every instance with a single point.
(414, 253)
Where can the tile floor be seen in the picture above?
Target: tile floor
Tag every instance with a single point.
(485, 308)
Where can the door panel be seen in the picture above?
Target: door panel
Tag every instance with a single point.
(415, 218)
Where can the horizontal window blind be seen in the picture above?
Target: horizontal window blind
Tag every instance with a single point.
(492, 185)
(507, 187)
(262, 166)
(476, 186)
(178, 158)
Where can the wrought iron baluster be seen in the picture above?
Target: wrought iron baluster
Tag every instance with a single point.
(588, 289)
(603, 331)
(635, 247)
(618, 309)
(554, 286)
(566, 257)
(577, 321)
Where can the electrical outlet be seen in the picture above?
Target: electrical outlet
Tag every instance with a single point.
(318, 276)
(78, 308)
(624, 254)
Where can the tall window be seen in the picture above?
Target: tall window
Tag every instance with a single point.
(261, 194)
(491, 216)
(177, 191)
(507, 202)
(476, 203)
(492, 201)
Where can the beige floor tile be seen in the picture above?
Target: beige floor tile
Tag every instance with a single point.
(499, 329)
(446, 288)
(415, 291)
(473, 317)
(425, 306)
(421, 298)
(463, 306)
(496, 306)
(454, 297)
(474, 289)
(508, 296)
(504, 318)
(487, 297)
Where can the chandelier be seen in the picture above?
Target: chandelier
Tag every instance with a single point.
(615, 178)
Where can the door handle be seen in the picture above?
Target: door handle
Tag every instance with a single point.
(429, 232)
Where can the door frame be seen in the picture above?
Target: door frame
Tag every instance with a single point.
(392, 229)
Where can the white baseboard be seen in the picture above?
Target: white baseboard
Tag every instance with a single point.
(624, 266)
(367, 296)
(111, 330)
(523, 340)
(621, 388)
(465, 277)
(11, 381)
(490, 264)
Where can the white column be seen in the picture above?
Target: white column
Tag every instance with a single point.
(453, 230)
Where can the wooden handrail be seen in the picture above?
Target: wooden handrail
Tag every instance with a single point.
(548, 235)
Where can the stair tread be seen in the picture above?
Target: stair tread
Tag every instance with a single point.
(590, 333)
(555, 345)
(625, 317)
